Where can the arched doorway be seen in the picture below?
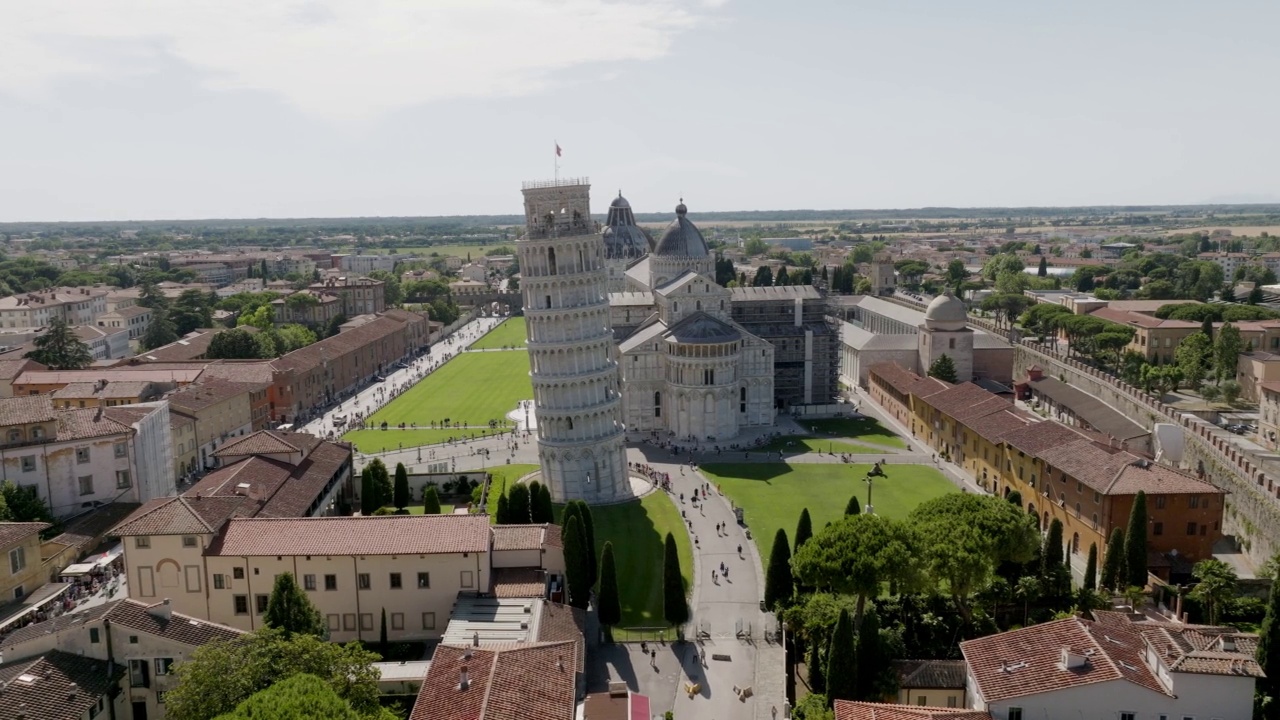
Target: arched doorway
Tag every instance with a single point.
(1044, 526)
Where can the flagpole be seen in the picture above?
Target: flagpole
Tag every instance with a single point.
(557, 159)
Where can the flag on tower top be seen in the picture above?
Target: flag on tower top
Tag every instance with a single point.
(558, 153)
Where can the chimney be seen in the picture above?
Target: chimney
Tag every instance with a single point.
(560, 662)
(71, 692)
(475, 639)
(164, 610)
(463, 681)
(1035, 372)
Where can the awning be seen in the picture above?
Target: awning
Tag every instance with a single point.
(106, 558)
(83, 568)
(18, 610)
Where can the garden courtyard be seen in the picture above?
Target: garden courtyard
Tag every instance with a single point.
(772, 495)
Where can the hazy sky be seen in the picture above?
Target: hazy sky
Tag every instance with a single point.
(139, 109)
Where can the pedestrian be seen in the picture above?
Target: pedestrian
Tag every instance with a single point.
(654, 658)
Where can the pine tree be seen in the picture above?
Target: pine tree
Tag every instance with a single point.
(816, 665)
(159, 332)
(854, 506)
(870, 656)
(589, 532)
(1269, 652)
(575, 571)
(1135, 544)
(842, 661)
(384, 647)
(1091, 568)
(543, 512)
(804, 529)
(1113, 561)
(518, 504)
(503, 515)
(944, 368)
(368, 494)
(431, 501)
(289, 609)
(675, 606)
(60, 349)
(401, 499)
(608, 607)
(778, 586)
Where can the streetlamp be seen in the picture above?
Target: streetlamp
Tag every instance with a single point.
(874, 472)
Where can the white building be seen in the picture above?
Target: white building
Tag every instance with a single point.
(135, 319)
(365, 264)
(571, 347)
(77, 459)
(75, 306)
(1113, 667)
(105, 343)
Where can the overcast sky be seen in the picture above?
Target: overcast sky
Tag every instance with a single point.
(142, 109)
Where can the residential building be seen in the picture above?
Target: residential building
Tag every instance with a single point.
(1254, 369)
(142, 641)
(43, 382)
(534, 681)
(315, 308)
(221, 410)
(135, 319)
(360, 295)
(74, 306)
(10, 369)
(58, 686)
(1112, 667)
(1157, 339)
(106, 394)
(104, 343)
(936, 683)
(20, 553)
(78, 459)
(365, 264)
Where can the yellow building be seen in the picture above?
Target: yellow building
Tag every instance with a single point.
(20, 546)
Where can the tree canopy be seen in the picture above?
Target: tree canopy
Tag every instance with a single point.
(60, 349)
(301, 696)
(291, 611)
(855, 555)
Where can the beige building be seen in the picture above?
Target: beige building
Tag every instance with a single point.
(106, 394)
(1254, 369)
(135, 319)
(75, 306)
(221, 410)
(1269, 414)
(20, 547)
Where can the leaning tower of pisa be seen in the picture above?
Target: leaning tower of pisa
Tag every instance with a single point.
(571, 350)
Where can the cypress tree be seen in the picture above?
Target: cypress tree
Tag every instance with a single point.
(1206, 327)
(384, 647)
(1135, 544)
(777, 581)
(608, 608)
(575, 559)
(401, 499)
(675, 607)
(842, 661)
(543, 512)
(870, 655)
(431, 501)
(1051, 553)
(289, 609)
(381, 483)
(804, 530)
(854, 507)
(1113, 561)
(570, 510)
(1269, 648)
(503, 516)
(589, 533)
(518, 504)
(534, 487)
(1091, 568)
(368, 494)
(815, 664)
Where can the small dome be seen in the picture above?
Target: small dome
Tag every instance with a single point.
(623, 239)
(682, 238)
(946, 312)
(701, 329)
(620, 202)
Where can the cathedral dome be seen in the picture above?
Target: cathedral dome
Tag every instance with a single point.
(946, 312)
(682, 238)
(623, 239)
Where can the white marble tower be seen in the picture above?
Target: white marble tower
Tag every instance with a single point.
(571, 348)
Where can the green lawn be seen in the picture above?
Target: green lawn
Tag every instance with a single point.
(792, 444)
(867, 430)
(472, 388)
(773, 494)
(504, 476)
(415, 508)
(511, 333)
(370, 441)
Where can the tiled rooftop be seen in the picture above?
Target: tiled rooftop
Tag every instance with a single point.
(850, 710)
(374, 535)
(55, 686)
(26, 409)
(12, 533)
(516, 682)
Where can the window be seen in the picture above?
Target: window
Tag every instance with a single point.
(348, 621)
(123, 481)
(86, 484)
(366, 621)
(1193, 502)
(260, 603)
(424, 580)
(1191, 528)
(1157, 528)
(94, 635)
(15, 434)
(133, 639)
(237, 573)
(395, 581)
(466, 579)
(362, 581)
(429, 621)
(17, 560)
(241, 604)
(951, 701)
(82, 455)
(657, 403)
(189, 541)
(1128, 716)
(138, 673)
(330, 582)
(121, 450)
(1159, 502)
(308, 582)
(1015, 713)
(163, 665)
(219, 581)
(952, 344)
(29, 463)
(334, 622)
(142, 542)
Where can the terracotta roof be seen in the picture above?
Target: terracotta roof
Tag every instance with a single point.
(907, 382)
(1156, 479)
(518, 537)
(26, 409)
(930, 673)
(374, 535)
(1035, 438)
(345, 342)
(263, 442)
(517, 682)
(53, 626)
(178, 628)
(56, 685)
(258, 372)
(264, 477)
(1196, 649)
(994, 426)
(1097, 414)
(519, 583)
(183, 515)
(208, 392)
(184, 375)
(1094, 465)
(850, 710)
(1029, 661)
(9, 369)
(85, 423)
(12, 533)
(964, 400)
(562, 623)
(308, 481)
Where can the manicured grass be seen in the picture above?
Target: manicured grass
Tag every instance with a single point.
(773, 494)
(510, 334)
(504, 476)
(371, 441)
(638, 530)
(472, 388)
(867, 430)
(415, 508)
(791, 445)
